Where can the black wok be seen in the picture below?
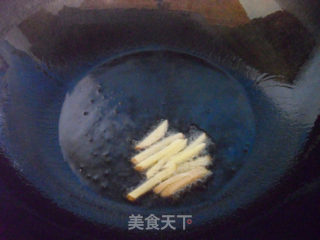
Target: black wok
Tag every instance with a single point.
(81, 80)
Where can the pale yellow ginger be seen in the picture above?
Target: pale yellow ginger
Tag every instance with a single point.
(151, 183)
(198, 162)
(158, 133)
(200, 139)
(187, 154)
(184, 167)
(158, 189)
(168, 151)
(156, 168)
(170, 163)
(190, 177)
(156, 148)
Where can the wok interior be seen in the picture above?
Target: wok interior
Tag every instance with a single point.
(115, 105)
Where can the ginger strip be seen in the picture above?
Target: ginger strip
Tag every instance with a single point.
(187, 154)
(191, 177)
(184, 167)
(199, 140)
(198, 162)
(155, 168)
(156, 148)
(154, 136)
(168, 151)
(149, 184)
(158, 189)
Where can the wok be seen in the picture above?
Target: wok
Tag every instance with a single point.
(81, 80)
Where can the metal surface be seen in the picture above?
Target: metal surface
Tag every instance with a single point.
(80, 82)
